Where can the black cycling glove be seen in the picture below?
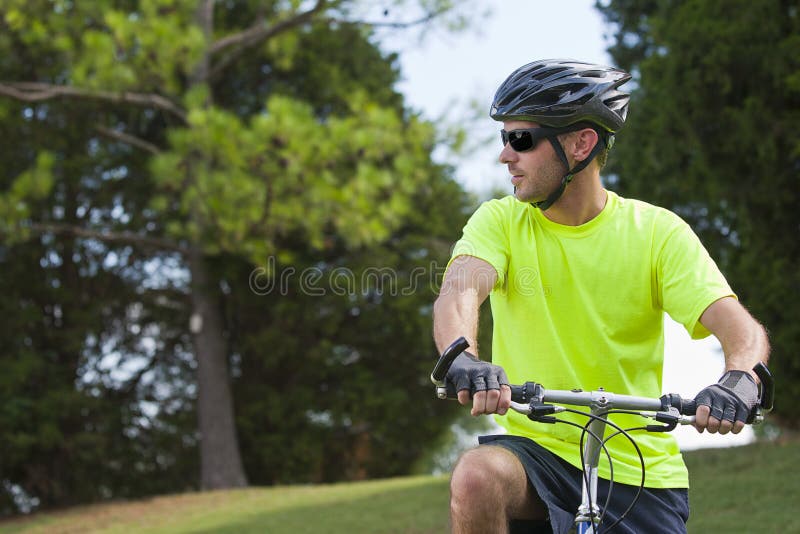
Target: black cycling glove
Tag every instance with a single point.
(732, 398)
(468, 372)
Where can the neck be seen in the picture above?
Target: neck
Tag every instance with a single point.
(583, 200)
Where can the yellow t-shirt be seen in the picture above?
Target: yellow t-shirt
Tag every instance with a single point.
(582, 307)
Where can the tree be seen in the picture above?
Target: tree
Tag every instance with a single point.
(74, 428)
(343, 376)
(711, 135)
(177, 172)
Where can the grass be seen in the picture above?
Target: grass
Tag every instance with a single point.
(746, 489)
(412, 505)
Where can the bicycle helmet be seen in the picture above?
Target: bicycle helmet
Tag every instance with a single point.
(565, 95)
(562, 92)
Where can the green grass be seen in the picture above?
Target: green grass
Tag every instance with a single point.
(746, 489)
(750, 489)
(412, 505)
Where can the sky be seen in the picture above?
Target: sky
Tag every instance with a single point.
(445, 72)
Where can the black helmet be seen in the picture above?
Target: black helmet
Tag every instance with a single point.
(562, 92)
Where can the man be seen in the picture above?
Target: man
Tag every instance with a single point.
(579, 279)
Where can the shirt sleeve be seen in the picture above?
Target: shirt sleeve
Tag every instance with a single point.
(486, 237)
(689, 280)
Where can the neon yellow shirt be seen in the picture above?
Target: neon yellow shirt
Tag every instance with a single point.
(582, 307)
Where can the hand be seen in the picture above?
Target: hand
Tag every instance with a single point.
(485, 383)
(725, 406)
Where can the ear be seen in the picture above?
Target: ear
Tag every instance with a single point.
(583, 141)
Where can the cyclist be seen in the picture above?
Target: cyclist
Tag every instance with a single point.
(579, 278)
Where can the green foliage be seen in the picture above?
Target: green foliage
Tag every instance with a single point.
(60, 429)
(711, 134)
(152, 47)
(239, 186)
(32, 185)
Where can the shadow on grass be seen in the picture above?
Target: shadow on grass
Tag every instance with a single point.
(413, 510)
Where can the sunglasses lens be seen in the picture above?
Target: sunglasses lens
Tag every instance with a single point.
(521, 140)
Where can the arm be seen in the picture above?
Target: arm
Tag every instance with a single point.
(744, 342)
(467, 283)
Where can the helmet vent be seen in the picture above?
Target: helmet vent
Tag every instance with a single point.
(593, 74)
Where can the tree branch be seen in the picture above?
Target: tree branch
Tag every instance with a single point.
(129, 139)
(402, 25)
(36, 92)
(238, 43)
(204, 16)
(259, 31)
(107, 237)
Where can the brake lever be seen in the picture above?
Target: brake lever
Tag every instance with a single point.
(443, 365)
(766, 394)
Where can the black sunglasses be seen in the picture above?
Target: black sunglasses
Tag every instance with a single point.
(526, 139)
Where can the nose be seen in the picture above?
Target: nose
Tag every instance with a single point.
(507, 155)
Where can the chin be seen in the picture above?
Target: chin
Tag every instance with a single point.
(522, 197)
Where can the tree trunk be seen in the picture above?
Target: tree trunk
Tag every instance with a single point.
(220, 461)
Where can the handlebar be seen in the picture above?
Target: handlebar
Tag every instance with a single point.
(532, 398)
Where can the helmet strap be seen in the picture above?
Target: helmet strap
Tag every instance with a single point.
(567, 178)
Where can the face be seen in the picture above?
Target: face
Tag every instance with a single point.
(535, 173)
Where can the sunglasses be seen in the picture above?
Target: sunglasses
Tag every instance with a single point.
(526, 139)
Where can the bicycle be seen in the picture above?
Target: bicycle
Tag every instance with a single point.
(539, 405)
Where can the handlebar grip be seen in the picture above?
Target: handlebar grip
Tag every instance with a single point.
(688, 407)
(684, 406)
(446, 359)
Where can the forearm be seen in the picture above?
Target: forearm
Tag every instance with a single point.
(455, 314)
(466, 285)
(745, 346)
(744, 341)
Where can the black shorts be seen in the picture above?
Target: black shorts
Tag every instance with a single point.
(559, 484)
